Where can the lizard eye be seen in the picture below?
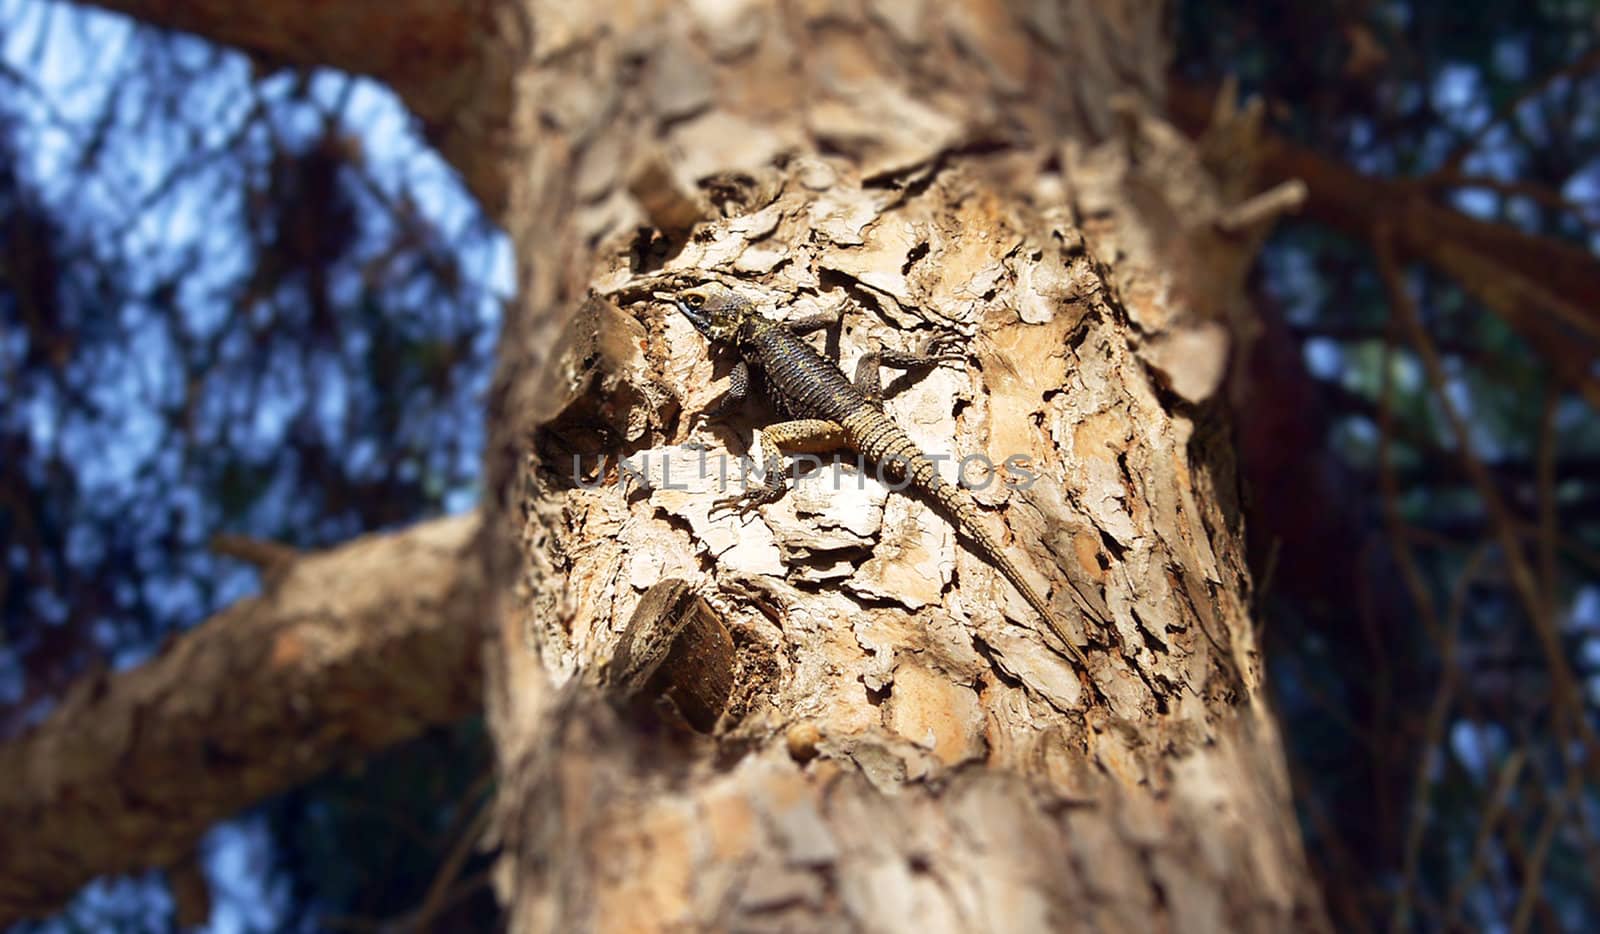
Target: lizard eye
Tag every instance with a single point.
(694, 301)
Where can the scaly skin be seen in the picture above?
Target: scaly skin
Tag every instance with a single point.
(827, 412)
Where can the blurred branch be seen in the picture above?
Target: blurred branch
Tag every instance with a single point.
(1434, 735)
(1568, 699)
(1547, 290)
(445, 887)
(1549, 521)
(1533, 896)
(1448, 533)
(1533, 191)
(354, 649)
(383, 40)
(449, 60)
(1577, 68)
(1494, 812)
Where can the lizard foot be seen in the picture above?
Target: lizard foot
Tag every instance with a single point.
(746, 501)
(945, 348)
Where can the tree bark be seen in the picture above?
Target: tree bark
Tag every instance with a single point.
(891, 739)
(345, 652)
(898, 744)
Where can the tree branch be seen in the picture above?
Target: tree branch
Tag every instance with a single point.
(445, 58)
(351, 650)
(1545, 289)
(383, 40)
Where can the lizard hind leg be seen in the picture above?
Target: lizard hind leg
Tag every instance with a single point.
(941, 349)
(802, 436)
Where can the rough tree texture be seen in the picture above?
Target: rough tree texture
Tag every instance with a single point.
(901, 748)
(894, 752)
(346, 652)
(892, 763)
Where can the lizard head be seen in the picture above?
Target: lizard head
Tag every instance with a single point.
(715, 310)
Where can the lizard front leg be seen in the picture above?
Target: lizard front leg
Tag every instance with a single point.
(802, 436)
(738, 391)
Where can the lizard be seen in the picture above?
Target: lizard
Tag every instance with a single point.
(826, 411)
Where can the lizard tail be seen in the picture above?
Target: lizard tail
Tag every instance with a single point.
(964, 509)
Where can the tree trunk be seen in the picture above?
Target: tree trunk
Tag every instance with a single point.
(831, 713)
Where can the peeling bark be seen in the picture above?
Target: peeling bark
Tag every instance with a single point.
(347, 652)
(902, 746)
